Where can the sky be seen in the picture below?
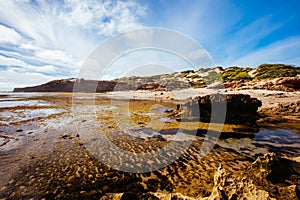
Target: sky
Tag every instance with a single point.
(46, 40)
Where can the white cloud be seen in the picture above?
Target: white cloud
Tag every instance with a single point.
(5, 61)
(106, 17)
(9, 35)
(56, 37)
(55, 56)
(10, 79)
(13, 62)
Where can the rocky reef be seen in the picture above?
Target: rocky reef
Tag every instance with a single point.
(283, 109)
(269, 177)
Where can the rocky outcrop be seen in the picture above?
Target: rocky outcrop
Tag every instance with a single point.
(230, 187)
(283, 109)
(152, 86)
(64, 85)
(270, 177)
(231, 108)
(146, 196)
(279, 176)
(70, 85)
(287, 84)
(81, 85)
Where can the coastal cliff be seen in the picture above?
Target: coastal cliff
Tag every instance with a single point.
(266, 76)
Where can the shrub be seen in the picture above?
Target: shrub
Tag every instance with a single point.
(212, 77)
(236, 74)
(276, 71)
(193, 76)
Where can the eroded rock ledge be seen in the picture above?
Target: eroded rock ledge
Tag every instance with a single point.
(283, 109)
(269, 177)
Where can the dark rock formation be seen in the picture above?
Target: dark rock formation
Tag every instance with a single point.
(74, 85)
(64, 85)
(81, 85)
(232, 108)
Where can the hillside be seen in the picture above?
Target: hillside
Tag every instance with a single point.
(266, 76)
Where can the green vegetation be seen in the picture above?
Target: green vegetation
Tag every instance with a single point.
(183, 75)
(188, 71)
(193, 76)
(236, 74)
(227, 75)
(156, 76)
(276, 71)
(212, 77)
(198, 84)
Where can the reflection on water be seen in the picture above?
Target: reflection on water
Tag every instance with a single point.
(282, 141)
(19, 115)
(10, 103)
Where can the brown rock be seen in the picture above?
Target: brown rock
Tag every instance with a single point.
(233, 108)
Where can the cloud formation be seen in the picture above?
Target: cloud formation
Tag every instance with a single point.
(55, 37)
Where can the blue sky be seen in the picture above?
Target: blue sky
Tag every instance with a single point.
(46, 40)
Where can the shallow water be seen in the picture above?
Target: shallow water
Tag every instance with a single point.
(19, 115)
(13, 103)
(51, 152)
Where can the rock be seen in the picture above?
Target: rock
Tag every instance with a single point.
(70, 85)
(257, 182)
(146, 196)
(159, 138)
(228, 187)
(112, 196)
(241, 109)
(130, 196)
(270, 177)
(279, 176)
(283, 109)
(152, 86)
(287, 84)
(19, 130)
(67, 136)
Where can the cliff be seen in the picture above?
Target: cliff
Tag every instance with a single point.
(68, 85)
(266, 76)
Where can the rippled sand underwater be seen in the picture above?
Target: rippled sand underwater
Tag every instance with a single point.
(60, 146)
